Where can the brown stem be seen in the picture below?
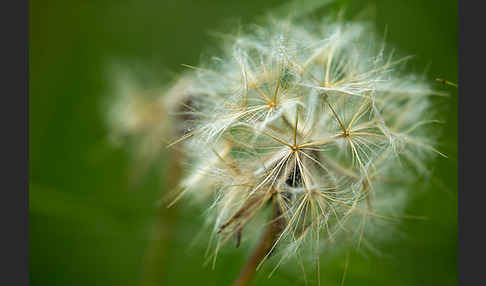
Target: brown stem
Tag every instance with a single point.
(265, 245)
(156, 258)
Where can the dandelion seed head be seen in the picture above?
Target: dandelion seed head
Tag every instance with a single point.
(317, 118)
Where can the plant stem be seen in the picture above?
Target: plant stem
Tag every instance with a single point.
(265, 245)
(156, 259)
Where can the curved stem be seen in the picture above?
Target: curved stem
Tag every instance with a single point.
(265, 245)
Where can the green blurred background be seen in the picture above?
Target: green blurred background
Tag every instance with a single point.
(90, 226)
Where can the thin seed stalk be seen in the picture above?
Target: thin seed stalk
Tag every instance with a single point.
(267, 240)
